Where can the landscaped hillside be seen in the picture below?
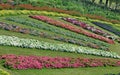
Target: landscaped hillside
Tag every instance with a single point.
(59, 37)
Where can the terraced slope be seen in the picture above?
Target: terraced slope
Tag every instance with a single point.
(65, 45)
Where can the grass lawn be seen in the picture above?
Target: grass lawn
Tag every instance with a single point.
(68, 71)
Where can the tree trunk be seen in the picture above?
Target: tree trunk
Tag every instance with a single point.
(110, 3)
(116, 5)
(100, 2)
(0, 1)
(106, 3)
(93, 1)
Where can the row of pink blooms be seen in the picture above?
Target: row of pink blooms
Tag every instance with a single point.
(39, 62)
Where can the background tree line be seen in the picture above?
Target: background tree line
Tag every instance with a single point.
(109, 3)
(114, 4)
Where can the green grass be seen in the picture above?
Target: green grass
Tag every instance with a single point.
(40, 52)
(115, 48)
(70, 71)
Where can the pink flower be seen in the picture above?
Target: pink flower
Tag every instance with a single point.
(37, 62)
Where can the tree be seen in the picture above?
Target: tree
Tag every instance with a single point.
(117, 2)
(0, 1)
(106, 3)
(110, 3)
(93, 1)
(100, 2)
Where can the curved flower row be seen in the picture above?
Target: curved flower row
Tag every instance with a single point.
(15, 28)
(37, 24)
(32, 43)
(71, 28)
(37, 62)
(88, 27)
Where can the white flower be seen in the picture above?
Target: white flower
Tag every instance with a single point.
(32, 43)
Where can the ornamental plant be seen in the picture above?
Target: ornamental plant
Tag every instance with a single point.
(108, 27)
(71, 28)
(34, 23)
(32, 43)
(37, 62)
(44, 34)
(88, 27)
(50, 9)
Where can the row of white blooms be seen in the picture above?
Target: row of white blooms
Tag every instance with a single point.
(32, 43)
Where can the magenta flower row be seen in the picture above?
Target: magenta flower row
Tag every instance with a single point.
(39, 62)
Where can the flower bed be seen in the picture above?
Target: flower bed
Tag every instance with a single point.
(71, 28)
(27, 12)
(43, 34)
(46, 8)
(34, 23)
(32, 43)
(88, 27)
(107, 27)
(37, 62)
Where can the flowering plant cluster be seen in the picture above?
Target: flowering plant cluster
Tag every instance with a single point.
(47, 35)
(37, 62)
(107, 27)
(37, 24)
(71, 28)
(88, 27)
(6, 6)
(32, 43)
(43, 8)
(46, 8)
